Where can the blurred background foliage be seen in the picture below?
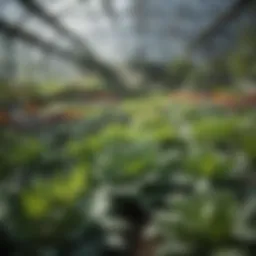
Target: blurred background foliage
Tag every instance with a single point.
(50, 180)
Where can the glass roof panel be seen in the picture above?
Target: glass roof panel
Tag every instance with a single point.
(165, 19)
(61, 7)
(37, 27)
(12, 11)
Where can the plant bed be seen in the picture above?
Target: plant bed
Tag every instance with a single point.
(150, 177)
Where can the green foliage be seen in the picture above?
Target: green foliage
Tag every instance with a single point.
(211, 76)
(242, 62)
(168, 158)
(178, 72)
(222, 71)
(121, 162)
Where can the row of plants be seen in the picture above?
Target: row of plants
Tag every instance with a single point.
(37, 94)
(53, 113)
(149, 169)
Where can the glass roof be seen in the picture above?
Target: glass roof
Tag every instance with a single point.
(115, 22)
(114, 30)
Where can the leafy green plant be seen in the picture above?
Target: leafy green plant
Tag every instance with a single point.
(190, 163)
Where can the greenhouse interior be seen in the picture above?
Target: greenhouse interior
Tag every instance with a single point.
(127, 127)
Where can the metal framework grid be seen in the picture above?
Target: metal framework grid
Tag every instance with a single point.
(70, 29)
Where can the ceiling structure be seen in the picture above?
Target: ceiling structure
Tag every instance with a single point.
(91, 33)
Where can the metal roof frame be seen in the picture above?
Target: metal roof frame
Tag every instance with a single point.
(89, 60)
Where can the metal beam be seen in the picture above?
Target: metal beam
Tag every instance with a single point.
(16, 32)
(106, 72)
(109, 9)
(52, 21)
(233, 12)
(115, 79)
